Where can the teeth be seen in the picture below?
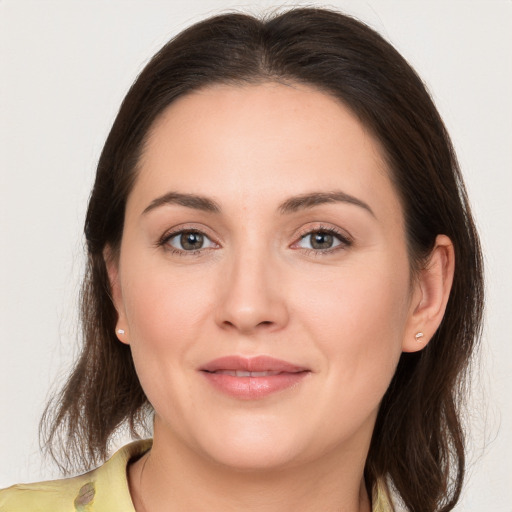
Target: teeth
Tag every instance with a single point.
(243, 373)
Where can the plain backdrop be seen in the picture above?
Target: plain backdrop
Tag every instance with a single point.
(64, 69)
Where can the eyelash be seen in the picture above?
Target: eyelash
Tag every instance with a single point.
(345, 241)
(164, 242)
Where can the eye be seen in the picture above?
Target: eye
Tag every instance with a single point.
(189, 240)
(322, 240)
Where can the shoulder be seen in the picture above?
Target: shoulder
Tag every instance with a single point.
(54, 495)
(104, 489)
(381, 497)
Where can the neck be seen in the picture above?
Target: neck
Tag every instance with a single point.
(172, 478)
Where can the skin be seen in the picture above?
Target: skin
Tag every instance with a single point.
(258, 287)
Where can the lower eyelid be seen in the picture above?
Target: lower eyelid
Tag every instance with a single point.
(339, 245)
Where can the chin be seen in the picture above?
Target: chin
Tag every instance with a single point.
(260, 456)
(255, 446)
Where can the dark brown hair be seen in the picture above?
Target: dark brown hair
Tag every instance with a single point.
(418, 439)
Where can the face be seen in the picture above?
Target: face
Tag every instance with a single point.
(263, 279)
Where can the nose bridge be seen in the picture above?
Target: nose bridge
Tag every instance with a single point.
(252, 297)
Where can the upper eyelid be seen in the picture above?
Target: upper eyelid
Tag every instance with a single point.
(342, 234)
(184, 228)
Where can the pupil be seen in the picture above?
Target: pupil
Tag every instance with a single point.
(321, 241)
(191, 241)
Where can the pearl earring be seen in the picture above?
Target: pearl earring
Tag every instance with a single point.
(418, 336)
(120, 331)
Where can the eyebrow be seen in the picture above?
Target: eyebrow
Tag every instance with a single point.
(305, 201)
(189, 200)
(293, 204)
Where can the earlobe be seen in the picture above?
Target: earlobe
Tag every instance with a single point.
(431, 296)
(112, 265)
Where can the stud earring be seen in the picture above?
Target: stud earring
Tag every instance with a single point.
(120, 331)
(418, 336)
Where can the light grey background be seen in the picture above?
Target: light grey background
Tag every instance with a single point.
(65, 66)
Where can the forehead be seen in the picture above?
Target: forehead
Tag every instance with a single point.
(261, 143)
(268, 114)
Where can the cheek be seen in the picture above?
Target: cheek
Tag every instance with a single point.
(165, 313)
(358, 319)
(160, 303)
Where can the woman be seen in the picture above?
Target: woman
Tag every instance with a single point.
(283, 274)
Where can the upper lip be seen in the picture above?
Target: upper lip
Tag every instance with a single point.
(252, 364)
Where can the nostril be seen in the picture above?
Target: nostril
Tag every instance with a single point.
(233, 325)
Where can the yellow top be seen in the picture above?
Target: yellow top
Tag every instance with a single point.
(104, 489)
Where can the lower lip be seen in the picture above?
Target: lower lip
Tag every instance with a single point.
(253, 388)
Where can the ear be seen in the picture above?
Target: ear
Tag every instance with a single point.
(112, 265)
(430, 296)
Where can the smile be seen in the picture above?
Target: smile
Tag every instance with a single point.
(243, 373)
(252, 378)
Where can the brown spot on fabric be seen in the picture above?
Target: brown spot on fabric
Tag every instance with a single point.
(85, 497)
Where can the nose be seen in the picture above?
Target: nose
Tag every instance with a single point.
(252, 297)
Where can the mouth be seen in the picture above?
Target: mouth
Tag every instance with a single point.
(243, 373)
(251, 365)
(252, 378)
